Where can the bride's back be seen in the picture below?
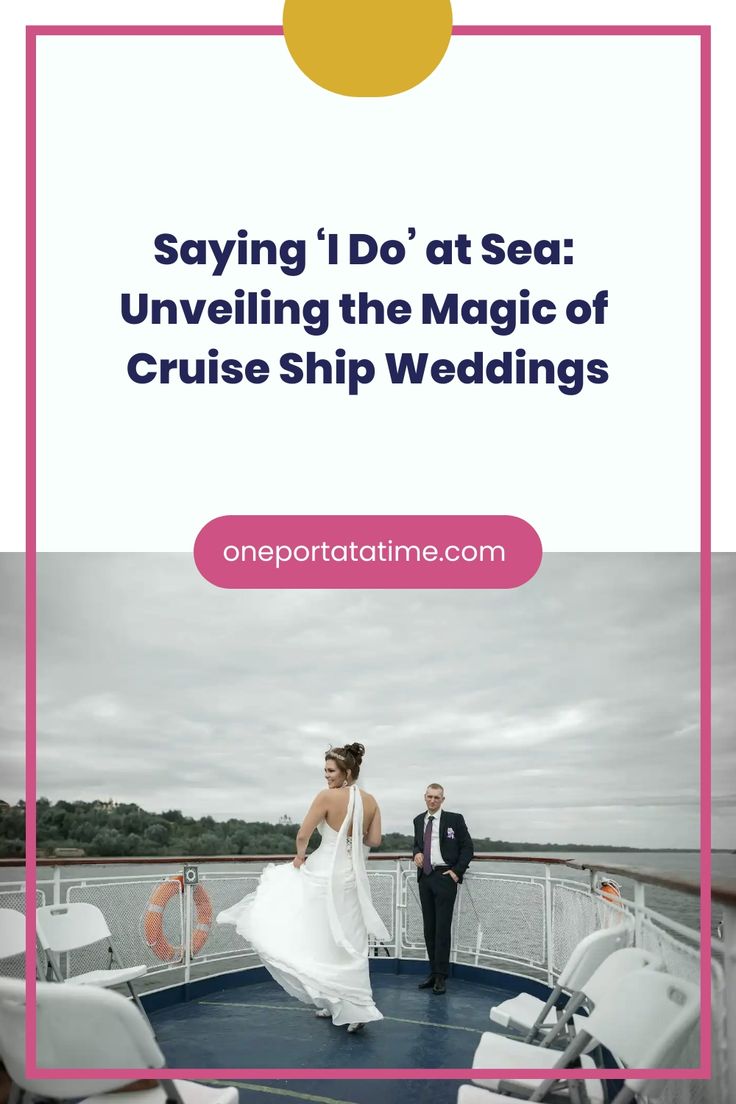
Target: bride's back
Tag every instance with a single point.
(337, 807)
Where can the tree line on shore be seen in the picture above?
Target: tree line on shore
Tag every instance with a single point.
(106, 829)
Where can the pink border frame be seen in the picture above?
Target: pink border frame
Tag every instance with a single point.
(702, 1072)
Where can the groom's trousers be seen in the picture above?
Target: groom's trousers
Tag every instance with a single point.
(437, 893)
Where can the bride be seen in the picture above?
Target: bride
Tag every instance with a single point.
(310, 921)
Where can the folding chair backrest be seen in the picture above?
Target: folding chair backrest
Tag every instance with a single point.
(65, 927)
(617, 966)
(645, 1019)
(77, 1027)
(83, 1027)
(12, 933)
(591, 951)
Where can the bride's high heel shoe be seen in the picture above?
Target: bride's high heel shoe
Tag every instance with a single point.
(352, 1028)
(323, 1014)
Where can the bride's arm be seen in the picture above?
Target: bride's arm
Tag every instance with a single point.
(373, 836)
(315, 814)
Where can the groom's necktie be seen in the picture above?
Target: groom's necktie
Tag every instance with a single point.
(427, 864)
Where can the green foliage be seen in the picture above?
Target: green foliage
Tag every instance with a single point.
(102, 828)
(107, 829)
(12, 848)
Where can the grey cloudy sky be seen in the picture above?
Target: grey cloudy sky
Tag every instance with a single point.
(564, 711)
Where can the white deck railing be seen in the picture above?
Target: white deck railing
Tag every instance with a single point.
(523, 924)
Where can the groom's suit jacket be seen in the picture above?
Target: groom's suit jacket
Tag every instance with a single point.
(455, 842)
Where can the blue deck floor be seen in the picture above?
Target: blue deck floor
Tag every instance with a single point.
(346, 1092)
(257, 1025)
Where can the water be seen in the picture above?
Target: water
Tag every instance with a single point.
(677, 906)
(681, 907)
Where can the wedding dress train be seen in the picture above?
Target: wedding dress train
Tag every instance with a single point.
(310, 926)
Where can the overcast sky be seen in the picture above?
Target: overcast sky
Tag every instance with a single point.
(564, 711)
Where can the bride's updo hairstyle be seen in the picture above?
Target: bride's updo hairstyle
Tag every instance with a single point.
(348, 758)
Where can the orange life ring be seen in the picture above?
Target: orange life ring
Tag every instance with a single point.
(203, 917)
(153, 921)
(610, 890)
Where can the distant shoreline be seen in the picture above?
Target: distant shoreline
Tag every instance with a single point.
(532, 849)
(102, 829)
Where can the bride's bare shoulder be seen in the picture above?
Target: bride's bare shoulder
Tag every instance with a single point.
(325, 798)
(368, 798)
(334, 797)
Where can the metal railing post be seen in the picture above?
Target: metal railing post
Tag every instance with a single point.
(397, 909)
(548, 923)
(187, 931)
(478, 945)
(639, 905)
(57, 885)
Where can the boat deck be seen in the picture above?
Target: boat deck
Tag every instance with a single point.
(340, 1091)
(259, 1025)
(255, 1025)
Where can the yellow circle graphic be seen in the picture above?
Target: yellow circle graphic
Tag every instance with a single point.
(367, 47)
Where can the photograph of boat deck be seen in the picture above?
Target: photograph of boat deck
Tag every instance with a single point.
(179, 727)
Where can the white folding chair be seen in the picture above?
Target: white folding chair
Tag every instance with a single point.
(472, 1094)
(499, 1052)
(537, 1019)
(12, 933)
(69, 927)
(13, 943)
(645, 1022)
(91, 1029)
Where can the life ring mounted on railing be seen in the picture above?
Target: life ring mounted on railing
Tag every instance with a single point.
(153, 920)
(203, 917)
(610, 890)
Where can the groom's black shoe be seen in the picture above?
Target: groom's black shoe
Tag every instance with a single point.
(428, 983)
(439, 985)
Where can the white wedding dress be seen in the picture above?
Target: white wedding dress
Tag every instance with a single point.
(310, 926)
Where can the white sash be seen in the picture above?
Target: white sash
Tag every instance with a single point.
(373, 923)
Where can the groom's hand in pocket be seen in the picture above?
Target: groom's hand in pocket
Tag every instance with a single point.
(452, 874)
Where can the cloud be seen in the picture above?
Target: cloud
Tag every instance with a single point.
(567, 710)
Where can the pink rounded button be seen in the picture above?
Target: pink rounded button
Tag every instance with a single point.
(368, 551)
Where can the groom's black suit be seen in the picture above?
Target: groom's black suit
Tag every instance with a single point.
(438, 890)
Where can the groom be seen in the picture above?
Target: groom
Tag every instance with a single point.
(442, 851)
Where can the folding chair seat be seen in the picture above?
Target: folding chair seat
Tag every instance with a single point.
(499, 1052)
(471, 1094)
(69, 927)
(534, 1017)
(512, 1054)
(84, 1028)
(644, 1021)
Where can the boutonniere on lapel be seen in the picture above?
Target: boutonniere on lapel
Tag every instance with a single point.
(450, 833)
